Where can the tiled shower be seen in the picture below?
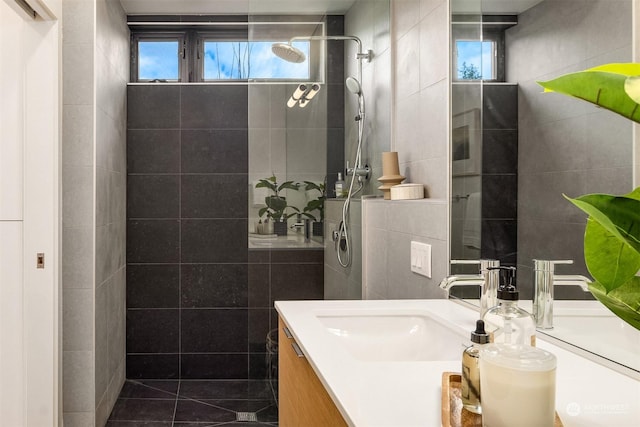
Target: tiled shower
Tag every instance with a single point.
(200, 302)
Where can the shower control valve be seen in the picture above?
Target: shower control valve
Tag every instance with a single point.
(360, 172)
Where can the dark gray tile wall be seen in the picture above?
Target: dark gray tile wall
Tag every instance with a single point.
(566, 145)
(199, 303)
(500, 173)
(335, 103)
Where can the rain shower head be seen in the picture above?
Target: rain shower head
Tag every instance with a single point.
(292, 54)
(287, 52)
(353, 85)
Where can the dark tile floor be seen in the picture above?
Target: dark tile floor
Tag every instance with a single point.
(195, 403)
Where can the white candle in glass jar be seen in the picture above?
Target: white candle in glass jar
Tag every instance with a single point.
(518, 384)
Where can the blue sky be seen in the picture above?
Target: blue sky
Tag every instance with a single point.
(159, 60)
(262, 62)
(476, 53)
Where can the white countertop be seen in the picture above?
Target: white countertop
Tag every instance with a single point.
(290, 241)
(409, 393)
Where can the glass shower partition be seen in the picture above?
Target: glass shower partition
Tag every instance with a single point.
(289, 155)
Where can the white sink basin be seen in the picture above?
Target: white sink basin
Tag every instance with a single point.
(394, 337)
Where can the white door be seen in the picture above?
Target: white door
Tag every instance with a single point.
(29, 203)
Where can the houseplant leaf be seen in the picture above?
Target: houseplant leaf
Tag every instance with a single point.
(269, 183)
(635, 194)
(624, 301)
(620, 215)
(611, 261)
(309, 185)
(276, 203)
(612, 237)
(603, 86)
(289, 185)
(623, 68)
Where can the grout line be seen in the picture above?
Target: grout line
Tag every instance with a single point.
(175, 407)
(180, 248)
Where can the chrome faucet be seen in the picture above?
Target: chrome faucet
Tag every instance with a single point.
(488, 280)
(304, 224)
(544, 281)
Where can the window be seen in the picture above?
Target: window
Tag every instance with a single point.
(478, 42)
(238, 60)
(158, 60)
(475, 60)
(224, 50)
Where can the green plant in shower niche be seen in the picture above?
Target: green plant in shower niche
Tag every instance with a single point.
(316, 204)
(277, 206)
(612, 234)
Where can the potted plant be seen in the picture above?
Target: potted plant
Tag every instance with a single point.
(612, 234)
(276, 204)
(314, 205)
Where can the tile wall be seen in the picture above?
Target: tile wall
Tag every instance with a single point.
(93, 234)
(594, 32)
(199, 302)
(419, 37)
(186, 204)
(499, 173)
(112, 72)
(78, 213)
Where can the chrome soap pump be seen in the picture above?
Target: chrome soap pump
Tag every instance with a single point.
(507, 323)
(471, 369)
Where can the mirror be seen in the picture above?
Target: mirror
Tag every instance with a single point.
(516, 150)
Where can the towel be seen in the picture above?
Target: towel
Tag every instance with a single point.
(258, 195)
(471, 230)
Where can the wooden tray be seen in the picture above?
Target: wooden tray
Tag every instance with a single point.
(453, 413)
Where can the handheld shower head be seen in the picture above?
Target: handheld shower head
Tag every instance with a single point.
(353, 85)
(288, 52)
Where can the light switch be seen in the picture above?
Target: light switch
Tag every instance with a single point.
(421, 258)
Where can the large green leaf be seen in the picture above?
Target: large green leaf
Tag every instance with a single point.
(635, 194)
(603, 86)
(309, 185)
(288, 184)
(276, 203)
(624, 301)
(620, 215)
(269, 183)
(611, 261)
(626, 69)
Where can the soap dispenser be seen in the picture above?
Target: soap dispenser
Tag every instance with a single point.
(507, 322)
(339, 186)
(471, 369)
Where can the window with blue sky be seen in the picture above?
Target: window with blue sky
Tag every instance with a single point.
(475, 60)
(158, 60)
(225, 60)
(221, 60)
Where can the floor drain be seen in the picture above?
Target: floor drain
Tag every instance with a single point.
(246, 416)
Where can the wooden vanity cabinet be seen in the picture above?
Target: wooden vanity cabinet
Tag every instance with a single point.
(303, 400)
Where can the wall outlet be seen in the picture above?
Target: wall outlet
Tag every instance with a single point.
(421, 258)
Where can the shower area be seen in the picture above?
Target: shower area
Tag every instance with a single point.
(206, 163)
